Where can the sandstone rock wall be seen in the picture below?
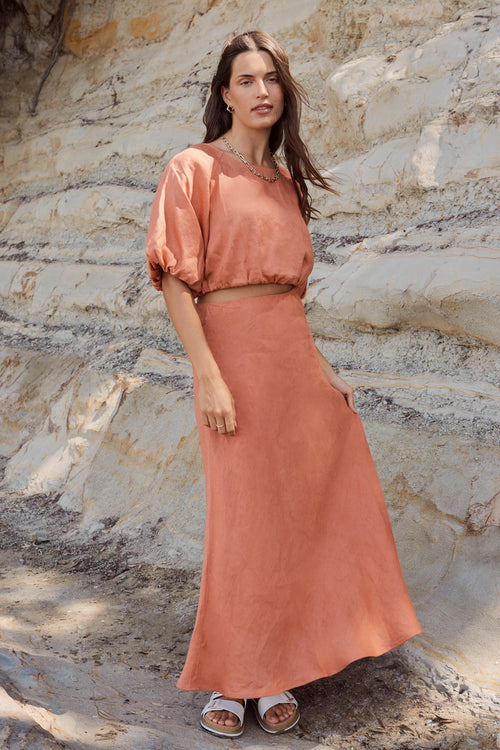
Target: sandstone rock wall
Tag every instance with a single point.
(404, 298)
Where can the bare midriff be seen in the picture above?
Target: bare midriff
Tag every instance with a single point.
(236, 292)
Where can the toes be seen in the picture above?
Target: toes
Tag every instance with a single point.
(222, 717)
(279, 713)
(272, 716)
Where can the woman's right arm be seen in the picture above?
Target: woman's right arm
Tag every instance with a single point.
(214, 397)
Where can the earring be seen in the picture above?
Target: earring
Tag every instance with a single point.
(229, 108)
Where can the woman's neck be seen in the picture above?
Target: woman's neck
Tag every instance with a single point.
(253, 144)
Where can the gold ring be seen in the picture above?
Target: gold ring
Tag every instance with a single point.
(219, 426)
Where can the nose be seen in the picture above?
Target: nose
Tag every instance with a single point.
(262, 90)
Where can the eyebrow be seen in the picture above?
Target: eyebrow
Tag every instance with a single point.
(250, 75)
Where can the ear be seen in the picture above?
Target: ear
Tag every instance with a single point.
(224, 92)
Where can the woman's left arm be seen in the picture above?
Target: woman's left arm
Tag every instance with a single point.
(336, 381)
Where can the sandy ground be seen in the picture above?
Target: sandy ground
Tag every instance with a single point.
(91, 645)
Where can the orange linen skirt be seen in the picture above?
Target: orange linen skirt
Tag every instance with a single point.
(300, 574)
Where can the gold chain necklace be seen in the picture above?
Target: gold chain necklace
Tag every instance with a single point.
(250, 166)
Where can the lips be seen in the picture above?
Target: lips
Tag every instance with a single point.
(262, 108)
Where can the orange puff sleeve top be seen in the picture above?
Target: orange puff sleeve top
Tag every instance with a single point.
(215, 225)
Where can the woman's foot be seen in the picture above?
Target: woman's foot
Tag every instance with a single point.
(277, 713)
(224, 716)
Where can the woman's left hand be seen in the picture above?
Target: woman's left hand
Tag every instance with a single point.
(337, 382)
(345, 389)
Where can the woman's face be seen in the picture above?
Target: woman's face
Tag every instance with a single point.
(254, 90)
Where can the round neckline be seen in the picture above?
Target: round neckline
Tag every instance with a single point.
(238, 161)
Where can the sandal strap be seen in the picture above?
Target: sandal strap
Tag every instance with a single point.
(264, 704)
(216, 704)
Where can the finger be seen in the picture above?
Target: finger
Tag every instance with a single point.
(220, 425)
(230, 426)
(350, 401)
(212, 423)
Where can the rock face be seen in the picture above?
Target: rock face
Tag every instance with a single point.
(404, 298)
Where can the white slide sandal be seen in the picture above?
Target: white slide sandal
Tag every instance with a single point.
(264, 704)
(218, 703)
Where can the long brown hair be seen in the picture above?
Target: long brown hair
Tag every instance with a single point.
(285, 132)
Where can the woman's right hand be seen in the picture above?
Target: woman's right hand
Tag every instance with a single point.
(217, 405)
(214, 397)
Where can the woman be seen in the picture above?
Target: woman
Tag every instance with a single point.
(300, 574)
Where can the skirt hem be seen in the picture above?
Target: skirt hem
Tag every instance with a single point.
(279, 687)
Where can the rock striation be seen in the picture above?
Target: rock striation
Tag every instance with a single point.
(404, 298)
